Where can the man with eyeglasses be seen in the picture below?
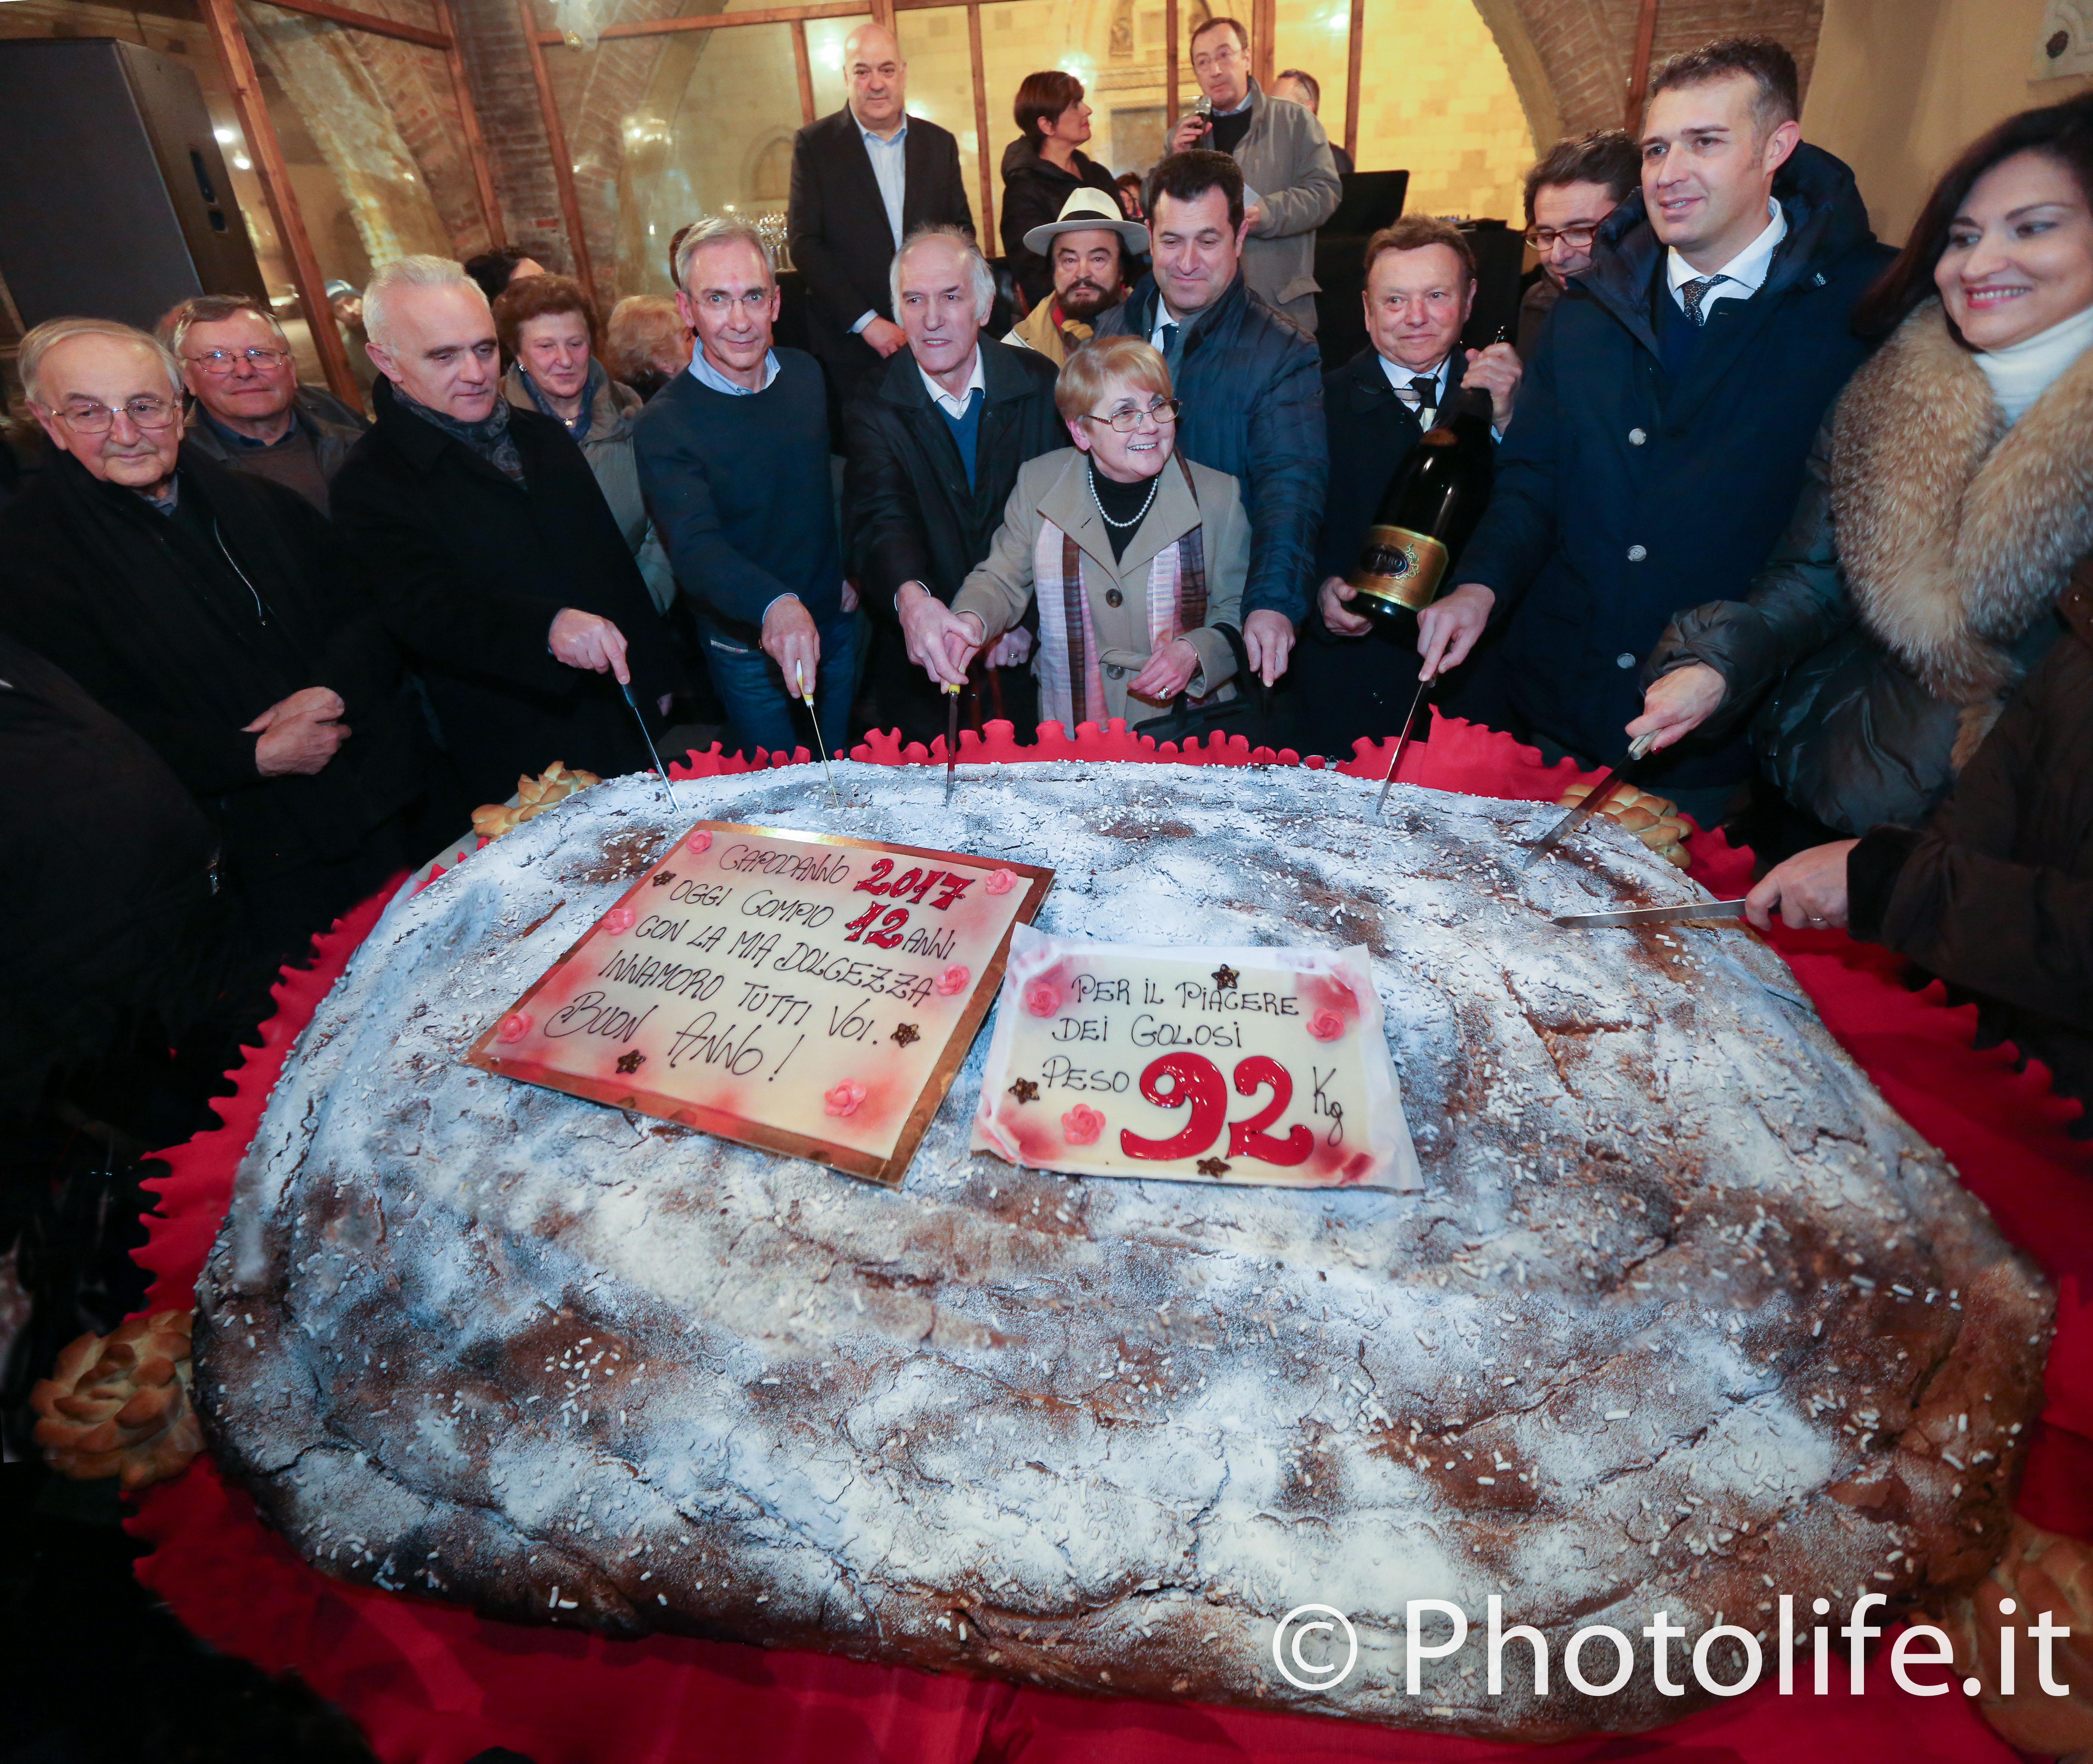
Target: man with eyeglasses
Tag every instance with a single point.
(1290, 179)
(933, 448)
(1569, 192)
(249, 412)
(207, 609)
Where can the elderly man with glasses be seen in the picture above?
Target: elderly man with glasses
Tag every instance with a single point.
(249, 412)
(204, 610)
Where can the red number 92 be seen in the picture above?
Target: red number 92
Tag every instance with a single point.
(1196, 1081)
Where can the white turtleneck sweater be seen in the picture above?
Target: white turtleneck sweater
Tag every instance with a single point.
(2022, 372)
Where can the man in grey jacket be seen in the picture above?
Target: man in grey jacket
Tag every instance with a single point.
(1291, 176)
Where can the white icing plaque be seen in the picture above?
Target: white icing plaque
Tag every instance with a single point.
(1229, 1065)
(806, 993)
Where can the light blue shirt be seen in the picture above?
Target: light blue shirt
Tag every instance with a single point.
(889, 170)
(706, 375)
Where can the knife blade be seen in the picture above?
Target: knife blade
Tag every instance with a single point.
(1402, 740)
(951, 740)
(800, 680)
(1591, 805)
(625, 687)
(1685, 915)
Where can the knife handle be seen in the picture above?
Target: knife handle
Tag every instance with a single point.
(1641, 745)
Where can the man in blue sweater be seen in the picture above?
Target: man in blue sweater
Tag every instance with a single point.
(733, 461)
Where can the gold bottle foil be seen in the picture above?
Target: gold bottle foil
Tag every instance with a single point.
(1399, 568)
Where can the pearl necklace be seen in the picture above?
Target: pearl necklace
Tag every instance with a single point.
(1140, 515)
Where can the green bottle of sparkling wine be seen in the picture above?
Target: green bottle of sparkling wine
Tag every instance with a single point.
(1432, 506)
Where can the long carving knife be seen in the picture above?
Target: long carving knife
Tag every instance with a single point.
(800, 680)
(1685, 915)
(1402, 740)
(645, 735)
(1591, 805)
(952, 741)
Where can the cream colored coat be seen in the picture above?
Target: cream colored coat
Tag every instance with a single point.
(1056, 487)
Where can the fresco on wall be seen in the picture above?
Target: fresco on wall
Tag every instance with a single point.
(2064, 44)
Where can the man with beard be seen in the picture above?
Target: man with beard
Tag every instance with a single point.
(1087, 246)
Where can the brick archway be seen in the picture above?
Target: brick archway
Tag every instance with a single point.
(1569, 60)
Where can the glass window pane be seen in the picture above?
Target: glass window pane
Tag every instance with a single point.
(666, 130)
(1315, 36)
(941, 83)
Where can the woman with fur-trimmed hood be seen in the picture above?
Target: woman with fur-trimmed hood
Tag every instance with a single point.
(1948, 497)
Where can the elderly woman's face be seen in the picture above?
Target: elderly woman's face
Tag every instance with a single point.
(2019, 252)
(555, 351)
(1141, 450)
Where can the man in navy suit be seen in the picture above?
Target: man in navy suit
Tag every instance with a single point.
(863, 180)
(1359, 679)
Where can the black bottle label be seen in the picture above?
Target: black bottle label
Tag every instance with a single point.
(1399, 568)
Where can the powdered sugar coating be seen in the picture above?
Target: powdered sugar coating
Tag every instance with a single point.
(1672, 1324)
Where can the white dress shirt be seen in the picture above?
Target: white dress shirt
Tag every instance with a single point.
(706, 375)
(1399, 377)
(1743, 276)
(889, 170)
(955, 404)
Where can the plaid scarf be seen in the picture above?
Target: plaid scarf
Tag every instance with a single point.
(489, 437)
(1071, 685)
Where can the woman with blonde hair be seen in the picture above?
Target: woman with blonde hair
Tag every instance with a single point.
(646, 342)
(1135, 556)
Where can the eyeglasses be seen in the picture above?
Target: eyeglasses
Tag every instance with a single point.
(1162, 413)
(224, 361)
(146, 411)
(1226, 56)
(1577, 238)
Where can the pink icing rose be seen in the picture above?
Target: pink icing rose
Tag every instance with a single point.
(699, 841)
(1081, 1125)
(514, 1026)
(953, 981)
(844, 1099)
(620, 920)
(1043, 998)
(1326, 1025)
(1000, 883)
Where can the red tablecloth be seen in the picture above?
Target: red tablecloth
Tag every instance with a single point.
(430, 1681)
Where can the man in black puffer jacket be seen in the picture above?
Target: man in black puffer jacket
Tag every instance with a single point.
(1665, 417)
(1250, 384)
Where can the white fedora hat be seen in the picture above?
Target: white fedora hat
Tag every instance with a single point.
(1089, 210)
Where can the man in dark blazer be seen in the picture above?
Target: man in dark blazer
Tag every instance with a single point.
(478, 531)
(1357, 678)
(863, 180)
(1667, 415)
(933, 450)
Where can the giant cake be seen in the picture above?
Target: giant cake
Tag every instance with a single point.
(1685, 1318)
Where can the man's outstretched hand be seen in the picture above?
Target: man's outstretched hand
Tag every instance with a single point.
(1268, 643)
(1450, 626)
(589, 640)
(790, 639)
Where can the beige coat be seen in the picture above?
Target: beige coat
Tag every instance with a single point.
(608, 448)
(1056, 487)
(1037, 331)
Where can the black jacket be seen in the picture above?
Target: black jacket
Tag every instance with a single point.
(1034, 190)
(469, 570)
(108, 874)
(333, 427)
(1348, 687)
(1995, 894)
(153, 622)
(836, 225)
(1621, 498)
(1252, 388)
(908, 514)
